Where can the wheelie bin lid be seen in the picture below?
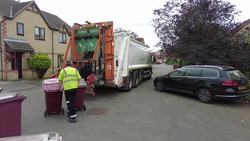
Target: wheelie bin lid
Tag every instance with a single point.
(7, 97)
(51, 81)
(82, 83)
(50, 85)
(51, 136)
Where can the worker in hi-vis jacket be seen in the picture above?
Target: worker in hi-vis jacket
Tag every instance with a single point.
(70, 78)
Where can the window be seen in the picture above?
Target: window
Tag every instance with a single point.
(235, 74)
(39, 33)
(62, 37)
(194, 72)
(20, 29)
(177, 73)
(210, 73)
(59, 60)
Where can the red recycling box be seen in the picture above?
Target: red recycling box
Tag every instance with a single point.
(53, 97)
(10, 109)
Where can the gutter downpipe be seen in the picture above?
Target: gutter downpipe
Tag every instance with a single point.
(1, 55)
(53, 52)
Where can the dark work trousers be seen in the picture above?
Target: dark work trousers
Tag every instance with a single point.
(70, 98)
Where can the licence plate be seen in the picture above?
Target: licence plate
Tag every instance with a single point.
(242, 87)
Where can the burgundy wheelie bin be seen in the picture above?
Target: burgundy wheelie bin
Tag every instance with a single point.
(10, 111)
(53, 97)
(51, 136)
(175, 66)
(80, 96)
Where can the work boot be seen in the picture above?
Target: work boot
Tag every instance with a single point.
(72, 120)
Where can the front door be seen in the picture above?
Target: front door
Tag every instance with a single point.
(19, 65)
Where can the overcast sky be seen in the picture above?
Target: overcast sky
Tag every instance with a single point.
(134, 15)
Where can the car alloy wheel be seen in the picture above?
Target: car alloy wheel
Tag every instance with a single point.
(204, 95)
(159, 86)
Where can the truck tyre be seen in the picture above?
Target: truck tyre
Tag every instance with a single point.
(136, 79)
(129, 82)
(140, 76)
(150, 76)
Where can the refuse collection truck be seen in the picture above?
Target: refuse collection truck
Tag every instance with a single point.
(105, 58)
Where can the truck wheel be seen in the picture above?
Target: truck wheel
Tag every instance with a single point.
(140, 76)
(149, 77)
(129, 82)
(136, 79)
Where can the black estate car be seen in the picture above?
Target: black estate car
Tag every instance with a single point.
(207, 82)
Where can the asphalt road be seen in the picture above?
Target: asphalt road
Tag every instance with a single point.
(142, 114)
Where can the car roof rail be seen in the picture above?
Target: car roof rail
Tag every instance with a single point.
(209, 66)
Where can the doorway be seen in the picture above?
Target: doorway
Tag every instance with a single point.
(16, 64)
(19, 65)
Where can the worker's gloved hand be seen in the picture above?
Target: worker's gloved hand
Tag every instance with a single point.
(60, 89)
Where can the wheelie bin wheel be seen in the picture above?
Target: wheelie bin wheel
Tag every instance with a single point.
(45, 114)
(84, 107)
(62, 112)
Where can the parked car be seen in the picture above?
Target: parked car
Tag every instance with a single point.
(158, 62)
(207, 82)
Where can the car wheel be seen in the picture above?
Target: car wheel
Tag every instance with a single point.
(205, 95)
(159, 86)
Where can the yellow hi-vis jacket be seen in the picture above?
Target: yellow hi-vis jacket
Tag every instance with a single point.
(70, 77)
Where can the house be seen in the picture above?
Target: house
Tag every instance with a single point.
(244, 29)
(24, 30)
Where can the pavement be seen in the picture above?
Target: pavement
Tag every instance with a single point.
(14, 86)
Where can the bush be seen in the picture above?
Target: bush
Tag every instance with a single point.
(40, 63)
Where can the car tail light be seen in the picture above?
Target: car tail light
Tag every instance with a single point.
(229, 83)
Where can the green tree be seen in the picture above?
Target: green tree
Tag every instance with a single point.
(201, 32)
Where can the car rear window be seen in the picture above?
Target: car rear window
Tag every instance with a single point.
(210, 73)
(235, 74)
